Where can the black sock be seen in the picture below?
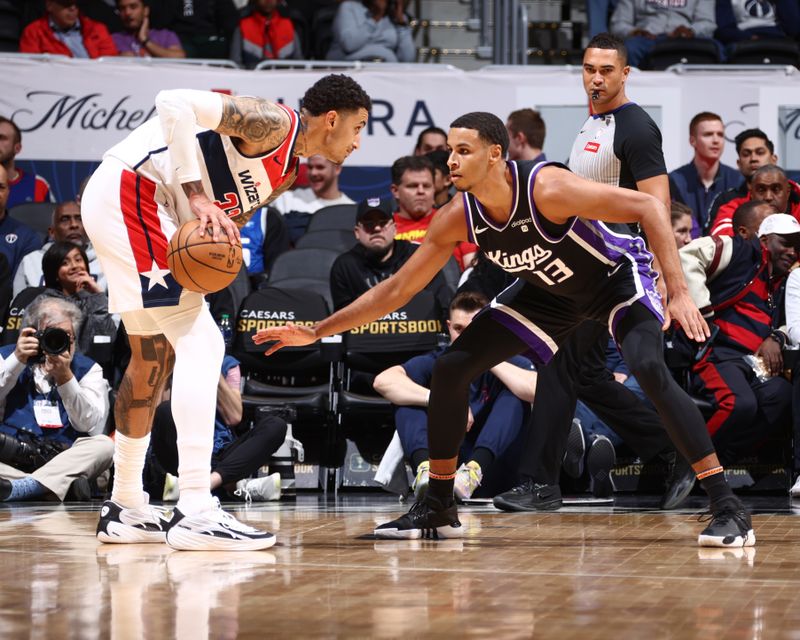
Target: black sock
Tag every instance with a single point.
(440, 493)
(419, 456)
(717, 487)
(483, 457)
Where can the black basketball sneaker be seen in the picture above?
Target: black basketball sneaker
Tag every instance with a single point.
(215, 530)
(730, 526)
(120, 524)
(424, 521)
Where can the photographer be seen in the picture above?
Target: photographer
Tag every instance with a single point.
(54, 406)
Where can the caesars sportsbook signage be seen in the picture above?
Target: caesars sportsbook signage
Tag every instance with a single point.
(75, 109)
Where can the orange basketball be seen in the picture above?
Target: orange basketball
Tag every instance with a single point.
(200, 264)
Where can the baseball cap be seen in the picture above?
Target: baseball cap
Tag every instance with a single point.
(780, 223)
(383, 206)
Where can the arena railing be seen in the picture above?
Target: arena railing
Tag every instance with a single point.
(353, 65)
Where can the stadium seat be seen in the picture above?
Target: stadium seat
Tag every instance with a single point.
(337, 216)
(683, 51)
(764, 52)
(332, 239)
(37, 215)
(303, 263)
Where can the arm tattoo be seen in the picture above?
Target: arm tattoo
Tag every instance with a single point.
(254, 120)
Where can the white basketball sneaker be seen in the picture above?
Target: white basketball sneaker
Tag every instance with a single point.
(215, 530)
(120, 524)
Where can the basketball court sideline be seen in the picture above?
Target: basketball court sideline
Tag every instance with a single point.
(628, 571)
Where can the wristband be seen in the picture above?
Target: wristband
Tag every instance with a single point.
(778, 337)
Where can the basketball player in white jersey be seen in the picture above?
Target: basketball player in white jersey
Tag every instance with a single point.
(216, 158)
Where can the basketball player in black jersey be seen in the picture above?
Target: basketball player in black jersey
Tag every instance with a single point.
(619, 144)
(541, 223)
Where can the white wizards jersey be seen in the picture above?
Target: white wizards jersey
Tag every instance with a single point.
(236, 182)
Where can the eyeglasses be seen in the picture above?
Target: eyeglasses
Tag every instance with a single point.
(371, 226)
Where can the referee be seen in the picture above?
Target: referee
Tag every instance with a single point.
(619, 145)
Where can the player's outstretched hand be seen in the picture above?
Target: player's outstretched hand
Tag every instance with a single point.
(684, 311)
(288, 335)
(210, 214)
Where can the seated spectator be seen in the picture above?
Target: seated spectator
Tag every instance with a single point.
(65, 266)
(499, 404)
(377, 256)
(368, 31)
(5, 287)
(66, 227)
(753, 150)
(430, 139)
(234, 458)
(442, 184)
(739, 20)
(526, 133)
(681, 218)
(734, 283)
(63, 31)
(24, 186)
(298, 205)
(768, 183)
(16, 239)
(264, 237)
(412, 188)
(642, 24)
(54, 408)
(138, 39)
(264, 35)
(748, 218)
(697, 183)
(204, 28)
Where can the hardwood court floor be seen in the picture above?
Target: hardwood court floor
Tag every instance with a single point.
(623, 572)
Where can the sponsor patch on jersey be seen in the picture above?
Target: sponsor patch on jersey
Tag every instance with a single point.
(592, 147)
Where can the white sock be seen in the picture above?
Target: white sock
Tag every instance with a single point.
(198, 360)
(129, 455)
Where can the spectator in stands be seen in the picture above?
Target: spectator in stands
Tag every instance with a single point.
(54, 408)
(442, 184)
(681, 217)
(264, 238)
(526, 133)
(65, 266)
(642, 24)
(25, 187)
(16, 239)
(138, 39)
(377, 256)
(499, 404)
(697, 183)
(748, 218)
(205, 27)
(739, 20)
(63, 31)
(234, 458)
(753, 150)
(430, 139)
(768, 183)
(66, 227)
(5, 286)
(735, 283)
(264, 35)
(298, 205)
(368, 30)
(412, 188)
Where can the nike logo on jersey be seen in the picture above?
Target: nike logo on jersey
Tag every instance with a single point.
(479, 230)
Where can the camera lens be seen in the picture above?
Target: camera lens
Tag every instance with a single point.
(54, 341)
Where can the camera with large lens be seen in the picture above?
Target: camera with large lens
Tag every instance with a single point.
(20, 454)
(53, 341)
(27, 452)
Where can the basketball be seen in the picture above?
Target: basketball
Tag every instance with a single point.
(200, 264)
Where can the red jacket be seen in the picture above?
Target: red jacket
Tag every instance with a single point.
(723, 223)
(38, 37)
